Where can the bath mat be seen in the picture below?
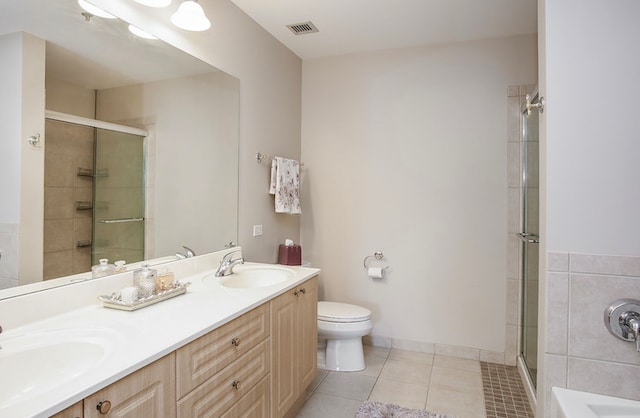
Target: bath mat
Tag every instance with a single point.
(374, 409)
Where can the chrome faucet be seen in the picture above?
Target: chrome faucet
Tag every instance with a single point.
(188, 253)
(227, 264)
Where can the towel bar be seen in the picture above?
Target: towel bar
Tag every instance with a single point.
(260, 156)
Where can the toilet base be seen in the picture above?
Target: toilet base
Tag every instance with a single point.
(344, 355)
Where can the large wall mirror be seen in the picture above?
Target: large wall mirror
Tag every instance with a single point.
(140, 145)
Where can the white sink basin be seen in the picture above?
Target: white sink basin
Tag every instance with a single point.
(249, 276)
(33, 363)
(568, 403)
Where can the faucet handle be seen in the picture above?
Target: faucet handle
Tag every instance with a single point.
(189, 252)
(622, 319)
(227, 256)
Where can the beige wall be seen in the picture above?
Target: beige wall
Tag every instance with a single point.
(590, 198)
(405, 152)
(270, 108)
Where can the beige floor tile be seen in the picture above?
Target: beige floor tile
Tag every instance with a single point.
(455, 403)
(466, 381)
(408, 395)
(456, 363)
(376, 351)
(406, 371)
(373, 365)
(347, 385)
(414, 356)
(321, 405)
(320, 375)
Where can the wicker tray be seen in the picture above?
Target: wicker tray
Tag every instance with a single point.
(114, 301)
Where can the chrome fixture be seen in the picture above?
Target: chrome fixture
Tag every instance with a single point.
(188, 253)
(622, 319)
(227, 264)
(526, 237)
(34, 141)
(536, 102)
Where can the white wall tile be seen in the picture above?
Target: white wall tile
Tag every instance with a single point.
(603, 377)
(557, 261)
(557, 313)
(605, 264)
(554, 374)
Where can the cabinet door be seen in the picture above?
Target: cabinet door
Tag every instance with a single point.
(254, 404)
(149, 392)
(308, 332)
(284, 384)
(74, 411)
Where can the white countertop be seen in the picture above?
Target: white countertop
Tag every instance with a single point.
(143, 336)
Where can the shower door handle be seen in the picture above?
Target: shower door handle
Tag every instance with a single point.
(120, 220)
(530, 238)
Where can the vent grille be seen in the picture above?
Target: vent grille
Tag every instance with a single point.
(303, 28)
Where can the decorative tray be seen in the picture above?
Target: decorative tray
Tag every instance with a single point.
(114, 300)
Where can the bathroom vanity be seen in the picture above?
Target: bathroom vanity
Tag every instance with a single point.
(226, 349)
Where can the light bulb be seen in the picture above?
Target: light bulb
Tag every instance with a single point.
(190, 16)
(95, 10)
(139, 32)
(154, 3)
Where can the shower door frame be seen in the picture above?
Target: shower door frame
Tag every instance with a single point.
(98, 124)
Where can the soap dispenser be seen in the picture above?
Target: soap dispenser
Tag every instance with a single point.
(145, 280)
(102, 269)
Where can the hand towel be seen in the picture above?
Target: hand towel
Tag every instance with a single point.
(285, 185)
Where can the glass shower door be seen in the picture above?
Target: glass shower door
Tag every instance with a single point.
(529, 237)
(118, 221)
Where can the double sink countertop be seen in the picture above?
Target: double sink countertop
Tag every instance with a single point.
(104, 345)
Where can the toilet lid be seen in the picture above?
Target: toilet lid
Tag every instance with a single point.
(342, 312)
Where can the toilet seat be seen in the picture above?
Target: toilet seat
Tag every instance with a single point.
(342, 312)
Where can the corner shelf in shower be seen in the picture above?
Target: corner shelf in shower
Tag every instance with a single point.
(84, 205)
(88, 172)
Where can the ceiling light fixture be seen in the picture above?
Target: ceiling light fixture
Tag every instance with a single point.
(190, 16)
(95, 10)
(154, 3)
(140, 33)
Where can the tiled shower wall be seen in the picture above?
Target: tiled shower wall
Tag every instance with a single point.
(580, 353)
(68, 148)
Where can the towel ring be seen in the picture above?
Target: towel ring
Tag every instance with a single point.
(377, 255)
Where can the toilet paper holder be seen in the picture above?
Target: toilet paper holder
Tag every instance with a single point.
(377, 255)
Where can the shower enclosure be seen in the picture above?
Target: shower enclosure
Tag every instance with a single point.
(529, 232)
(94, 194)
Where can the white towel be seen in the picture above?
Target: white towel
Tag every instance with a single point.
(285, 185)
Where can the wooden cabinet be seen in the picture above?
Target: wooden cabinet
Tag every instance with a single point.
(294, 338)
(220, 369)
(148, 392)
(74, 411)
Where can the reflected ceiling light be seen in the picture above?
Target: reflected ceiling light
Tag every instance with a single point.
(140, 33)
(95, 10)
(154, 3)
(190, 16)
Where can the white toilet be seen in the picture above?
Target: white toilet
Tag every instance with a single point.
(342, 327)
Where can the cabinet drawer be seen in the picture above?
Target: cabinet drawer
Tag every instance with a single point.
(254, 404)
(206, 356)
(149, 392)
(218, 394)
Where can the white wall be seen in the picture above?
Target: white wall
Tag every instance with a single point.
(270, 80)
(405, 152)
(590, 198)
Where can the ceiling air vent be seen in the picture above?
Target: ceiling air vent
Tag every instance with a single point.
(302, 28)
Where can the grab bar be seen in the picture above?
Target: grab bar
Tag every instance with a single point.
(120, 220)
(530, 238)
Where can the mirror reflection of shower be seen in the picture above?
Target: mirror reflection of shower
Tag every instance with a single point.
(94, 194)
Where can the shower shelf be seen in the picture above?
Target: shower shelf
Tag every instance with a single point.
(82, 205)
(85, 172)
(83, 244)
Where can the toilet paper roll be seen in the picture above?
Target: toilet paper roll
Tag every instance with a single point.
(376, 272)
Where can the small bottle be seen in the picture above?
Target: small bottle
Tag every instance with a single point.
(102, 269)
(119, 266)
(145, 280)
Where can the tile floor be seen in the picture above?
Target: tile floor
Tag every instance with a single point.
(411, 379)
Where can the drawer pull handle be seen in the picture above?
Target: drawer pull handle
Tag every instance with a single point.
(303, 291)
(104, 407)
(297, 293)
(235, 342)
(236, 384)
